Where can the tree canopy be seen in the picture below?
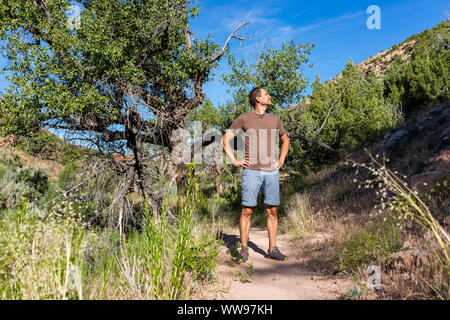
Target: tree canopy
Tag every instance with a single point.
(130, 71)
(122, 78)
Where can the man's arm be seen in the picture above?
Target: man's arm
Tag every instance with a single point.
(284, 150)
(227, 137)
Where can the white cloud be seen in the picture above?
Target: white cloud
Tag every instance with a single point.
(329, 22)
(267, 26)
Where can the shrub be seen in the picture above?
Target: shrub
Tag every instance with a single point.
(438, 199)
(233, 194)
(53, 254)
(354, 293)
(348, 113)
(34, 177)
(407, 204)
(70, 154)
(3, 170)
(41, 144)
(370, 245)
(67, 175)
(426, 76)
(154, 262)
(17, 183)
(12, 192)
(410, 211)
(203, 258)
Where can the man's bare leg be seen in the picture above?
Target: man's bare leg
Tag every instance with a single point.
(244, 225)
(272, 225)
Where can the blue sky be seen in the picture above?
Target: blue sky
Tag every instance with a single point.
(338, 29)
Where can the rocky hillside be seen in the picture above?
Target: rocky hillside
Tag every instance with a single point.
(47, 157)
(402, 51)
(420, 149)
(344, 228)
(381, 61)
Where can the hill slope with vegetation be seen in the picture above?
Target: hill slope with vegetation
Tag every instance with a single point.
(383, 199)
(59, 203)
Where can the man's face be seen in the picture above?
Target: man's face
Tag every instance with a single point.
(264, 98)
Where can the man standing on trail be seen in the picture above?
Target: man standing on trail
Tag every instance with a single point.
(260, 166)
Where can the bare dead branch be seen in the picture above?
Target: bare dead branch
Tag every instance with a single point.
(218, 54)
(311, 140)
(328, 114)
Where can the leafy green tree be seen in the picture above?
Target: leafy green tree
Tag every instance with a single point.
(344, 114)
(207, 114)
(279, 71)
(424, 77)
(126, 76)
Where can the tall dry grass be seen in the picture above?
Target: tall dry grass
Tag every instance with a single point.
(41, 255)
(405, 203)
(408, 208)
(299, 219)
(52, 254)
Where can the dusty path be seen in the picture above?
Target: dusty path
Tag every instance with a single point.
(284, 280)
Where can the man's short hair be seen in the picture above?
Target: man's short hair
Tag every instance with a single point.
(256, 92)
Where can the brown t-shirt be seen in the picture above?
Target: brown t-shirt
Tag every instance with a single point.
(261, 138)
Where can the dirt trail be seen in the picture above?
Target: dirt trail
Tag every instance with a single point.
(275, 280)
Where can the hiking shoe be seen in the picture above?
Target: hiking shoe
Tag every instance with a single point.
(276, 254)
(242, 255)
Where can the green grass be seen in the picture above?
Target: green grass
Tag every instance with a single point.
(354, 293)
(51, 253)
(371, 245)
(247, 274)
